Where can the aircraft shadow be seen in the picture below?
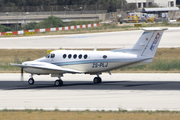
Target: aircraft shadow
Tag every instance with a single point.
(89, 85)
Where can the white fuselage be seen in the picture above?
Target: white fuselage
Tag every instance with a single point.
(88, 61)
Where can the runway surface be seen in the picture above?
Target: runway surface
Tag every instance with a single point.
(123, 39)
(118, 91)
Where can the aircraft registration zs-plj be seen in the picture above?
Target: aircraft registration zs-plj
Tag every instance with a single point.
(59, 62)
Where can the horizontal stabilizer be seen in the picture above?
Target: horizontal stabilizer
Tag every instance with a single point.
(154, 29)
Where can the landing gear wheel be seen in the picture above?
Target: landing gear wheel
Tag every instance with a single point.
(58, 83)
(97, 80)
(31, 81)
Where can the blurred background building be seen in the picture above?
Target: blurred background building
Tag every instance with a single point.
(153, 3)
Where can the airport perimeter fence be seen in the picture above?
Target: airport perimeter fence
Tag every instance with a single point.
(31, 32)
(55, 8)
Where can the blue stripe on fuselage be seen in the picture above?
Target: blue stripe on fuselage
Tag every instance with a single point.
(90, 61)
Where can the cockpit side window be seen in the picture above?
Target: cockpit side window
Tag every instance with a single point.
(52, 55)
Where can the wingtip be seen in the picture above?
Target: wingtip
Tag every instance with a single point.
(10, 63)
(154, 29)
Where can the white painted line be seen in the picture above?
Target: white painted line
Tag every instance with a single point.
(83, 26)
(42, 30)
(72, 27)
(78, 26)
(66, 28)
(31, 30)
(52, 29)
(89, 25)
(60, 28)
(20, 32)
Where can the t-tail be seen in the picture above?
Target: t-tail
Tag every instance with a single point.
(148, 42)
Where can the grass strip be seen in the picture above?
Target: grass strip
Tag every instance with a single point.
(87, 115)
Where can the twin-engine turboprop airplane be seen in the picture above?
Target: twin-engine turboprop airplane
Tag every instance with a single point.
(94, 62)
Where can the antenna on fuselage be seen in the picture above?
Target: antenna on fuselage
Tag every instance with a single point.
(95, 49)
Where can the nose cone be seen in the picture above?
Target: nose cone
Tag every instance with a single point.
(27, 62)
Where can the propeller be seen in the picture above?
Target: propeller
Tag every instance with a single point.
(22, 76)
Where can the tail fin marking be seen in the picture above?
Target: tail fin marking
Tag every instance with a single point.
(149, 41)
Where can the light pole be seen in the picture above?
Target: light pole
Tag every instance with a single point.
(66, 8)
(17, 18)
(17, 23)
(25, 17)
(80, 9)
(7, 19)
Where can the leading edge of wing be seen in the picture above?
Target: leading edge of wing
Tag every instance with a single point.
(47, 66)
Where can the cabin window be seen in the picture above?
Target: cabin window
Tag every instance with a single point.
(52, 55)
(74, 56)
(69, 56)
(80, 56)
(64, 56)
(85, 56)
(104, 56)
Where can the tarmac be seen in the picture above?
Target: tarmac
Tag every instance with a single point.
(112, 40)
(122, 91)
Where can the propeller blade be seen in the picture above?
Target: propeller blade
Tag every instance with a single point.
(22, 76)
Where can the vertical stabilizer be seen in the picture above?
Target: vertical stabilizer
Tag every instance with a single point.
(149, 41)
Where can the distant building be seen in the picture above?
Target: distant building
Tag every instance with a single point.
(153, 3)
(161, 12)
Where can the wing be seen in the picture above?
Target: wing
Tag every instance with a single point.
(46, 66)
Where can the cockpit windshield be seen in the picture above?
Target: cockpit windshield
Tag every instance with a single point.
(48, 56)
(51, 55)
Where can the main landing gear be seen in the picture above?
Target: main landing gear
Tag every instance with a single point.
(59, 82)
(97, 79)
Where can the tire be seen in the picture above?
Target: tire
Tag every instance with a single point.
(97, 80)
(58, 83)
(31, 81)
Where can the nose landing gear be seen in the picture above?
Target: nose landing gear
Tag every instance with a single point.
(31, 80)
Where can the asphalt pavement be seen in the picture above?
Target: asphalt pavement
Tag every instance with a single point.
(130, 91)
